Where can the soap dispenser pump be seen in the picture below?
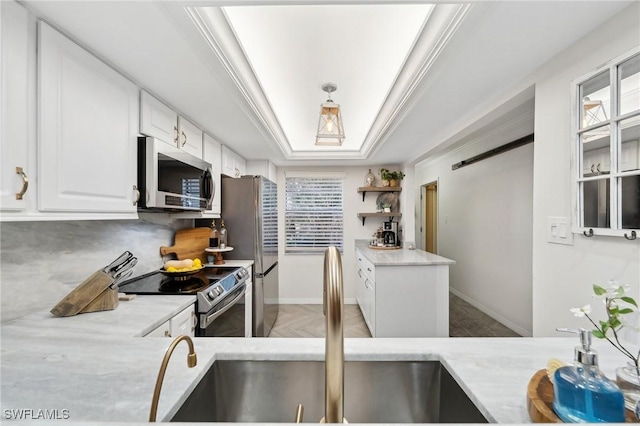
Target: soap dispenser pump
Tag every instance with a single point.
(582, 393)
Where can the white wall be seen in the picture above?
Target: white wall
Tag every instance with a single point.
(563, 275)
(301, 274)
(485, 221)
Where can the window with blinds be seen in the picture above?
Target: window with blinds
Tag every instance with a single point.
(313, 213)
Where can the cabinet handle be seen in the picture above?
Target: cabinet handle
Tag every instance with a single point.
(360, 273)
(194, 321)
(237, 173)
(137, 197)
(365, 283)
(25, 183)
(369, 269)
(176, 134)
(167, 333)
(184, 139)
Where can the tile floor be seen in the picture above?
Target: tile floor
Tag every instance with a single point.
(308, 321)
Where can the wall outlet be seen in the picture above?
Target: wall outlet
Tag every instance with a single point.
(559, 230)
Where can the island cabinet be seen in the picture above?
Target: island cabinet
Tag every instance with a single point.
(403, 299)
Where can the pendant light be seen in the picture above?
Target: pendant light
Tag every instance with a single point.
(330, 130)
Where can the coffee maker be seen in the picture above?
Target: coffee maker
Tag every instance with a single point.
(390, 233)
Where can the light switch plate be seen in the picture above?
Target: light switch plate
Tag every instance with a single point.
(559, 230)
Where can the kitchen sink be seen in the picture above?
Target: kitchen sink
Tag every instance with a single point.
(374, 392)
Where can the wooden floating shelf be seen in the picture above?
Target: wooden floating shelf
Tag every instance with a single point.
(363, 216)
(365, 189)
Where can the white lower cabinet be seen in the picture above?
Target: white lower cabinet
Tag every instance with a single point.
(366, 293)
(184, 322)
(163, 331)
(87, 130)
(403, 300)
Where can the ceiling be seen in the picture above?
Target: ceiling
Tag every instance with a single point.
(411, 77)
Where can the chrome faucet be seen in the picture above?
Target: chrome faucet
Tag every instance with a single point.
(192, 360)
(333, 302)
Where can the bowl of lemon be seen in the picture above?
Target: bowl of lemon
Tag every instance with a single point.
(182, 268)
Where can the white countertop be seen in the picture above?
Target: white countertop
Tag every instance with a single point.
(93, 365)
(400, 257)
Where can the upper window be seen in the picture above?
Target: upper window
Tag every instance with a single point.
(313, 212)
(608, 147)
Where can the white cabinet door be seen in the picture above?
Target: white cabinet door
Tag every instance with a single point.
(15, 87)
(211, 153)
(365, 291)
(232, 164)
(163, 331)
(157, 119)
(262, 168)
(370, 305)
(190, 137)
(184, 322)
(359, 286)
(87, 129)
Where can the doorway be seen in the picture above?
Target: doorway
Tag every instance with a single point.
(429, 227)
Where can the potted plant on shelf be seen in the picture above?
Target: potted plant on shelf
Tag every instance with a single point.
(386, 207)
(390, 178)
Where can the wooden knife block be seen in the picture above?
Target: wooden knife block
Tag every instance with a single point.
(94, 294)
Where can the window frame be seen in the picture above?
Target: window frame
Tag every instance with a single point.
(295, 250)
(615, 149)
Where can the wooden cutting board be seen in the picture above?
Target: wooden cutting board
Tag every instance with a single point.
(189, 244)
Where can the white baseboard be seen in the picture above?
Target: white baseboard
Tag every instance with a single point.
(312, 301)
(504, 321)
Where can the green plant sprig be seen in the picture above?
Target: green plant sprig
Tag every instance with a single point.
(614, 297)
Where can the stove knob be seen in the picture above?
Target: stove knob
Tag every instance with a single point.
(211, 295)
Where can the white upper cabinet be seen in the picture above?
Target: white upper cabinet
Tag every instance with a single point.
(262, 168)
(190, 137)
(157, 119)
(212, 152)
(160, 121)
(87, 129)
(15, 86)
(233, 164)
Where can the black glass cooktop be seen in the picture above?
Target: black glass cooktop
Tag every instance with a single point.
(157, 283)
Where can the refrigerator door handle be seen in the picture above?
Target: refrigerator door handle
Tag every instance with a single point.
(263, 274)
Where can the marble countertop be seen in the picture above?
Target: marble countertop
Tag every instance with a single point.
(400, 257)
(95, 368)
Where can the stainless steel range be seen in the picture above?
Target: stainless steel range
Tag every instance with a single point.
(220, 292)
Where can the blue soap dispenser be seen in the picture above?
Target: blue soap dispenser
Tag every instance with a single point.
(582, 393)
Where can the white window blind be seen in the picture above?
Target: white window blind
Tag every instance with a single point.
(313, 213)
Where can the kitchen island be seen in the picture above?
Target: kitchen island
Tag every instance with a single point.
(89, 370)
(402, 292)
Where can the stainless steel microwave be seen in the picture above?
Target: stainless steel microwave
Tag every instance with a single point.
(171, 179)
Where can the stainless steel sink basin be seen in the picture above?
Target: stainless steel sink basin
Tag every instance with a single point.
(375, 392)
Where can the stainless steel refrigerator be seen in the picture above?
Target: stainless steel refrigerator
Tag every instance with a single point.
(250, 214)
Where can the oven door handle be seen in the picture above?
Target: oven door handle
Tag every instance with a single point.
(211, 318)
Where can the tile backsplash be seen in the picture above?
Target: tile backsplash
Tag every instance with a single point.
(41, 262)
